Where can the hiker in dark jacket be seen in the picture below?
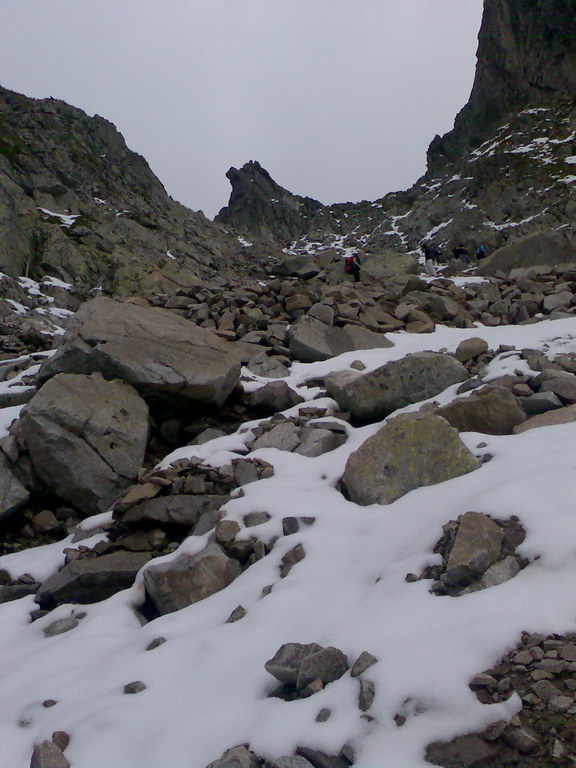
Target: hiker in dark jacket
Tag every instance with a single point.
(352, 266)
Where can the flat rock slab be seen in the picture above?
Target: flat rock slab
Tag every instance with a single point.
(416, 377)
(180, 509)
(90, 580)
(190, 578)
(311, 341)
(490, 410)
(548, 419)
(411, 451)
(155, 350)
(86, 438)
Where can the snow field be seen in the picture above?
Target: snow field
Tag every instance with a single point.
(207, 687)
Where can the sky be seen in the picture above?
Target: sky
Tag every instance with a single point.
(337, 99)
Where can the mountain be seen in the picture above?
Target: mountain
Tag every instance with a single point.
(256, 515)
(506, 170)
(78, 205)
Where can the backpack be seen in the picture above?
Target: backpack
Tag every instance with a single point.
(348, 261)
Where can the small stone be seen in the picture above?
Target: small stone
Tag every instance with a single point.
(61, 739)
(523, 657)
(568, 652)
(156, 643)
(290, 559)
(358, 365)
(323, 715)
(483, 680)
(560, 703)
(309, 690)
(47, 703)
(136, 687)
(523, 739)
(60, 626)
(226, 531)
(238, 613)
(45, 521)
(255, 518)
(290, 525)
(366, 696)
(48, 755)
(362, 663)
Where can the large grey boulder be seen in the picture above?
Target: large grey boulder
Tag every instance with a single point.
(492, 410)
(540, 248)
(89, 580)
(413, 378)
(155, 350)
(86, 438)
(311, 341)
(411, 451)
(190, 578)
(13, 495)
(476, 547)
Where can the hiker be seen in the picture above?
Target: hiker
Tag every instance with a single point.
(352, 265)
(429, 265)
(460, 252)
(481, 252)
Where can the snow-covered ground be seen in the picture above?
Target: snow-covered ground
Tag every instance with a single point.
(206, 687)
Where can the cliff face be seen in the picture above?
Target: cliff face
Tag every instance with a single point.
(526, 57)
(77, 204)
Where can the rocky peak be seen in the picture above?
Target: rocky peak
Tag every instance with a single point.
(260, 207)
(526, 57)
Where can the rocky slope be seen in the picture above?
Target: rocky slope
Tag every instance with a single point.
(282, 520)
(78, 205)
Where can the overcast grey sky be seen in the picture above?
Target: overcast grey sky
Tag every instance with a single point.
(338, 99)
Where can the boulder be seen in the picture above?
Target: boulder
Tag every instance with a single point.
(416, 377)
(411, 451)
(303, 267)
(477, 546)
(155, 350)
(470, 348)
(86, 438)
(273, 397)
(297, 665)
(91, 579)
(539, 248)
(12, 493)
(550, 418)
(315, 442)
(311, 341)
(492, 410)
(189, 579)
